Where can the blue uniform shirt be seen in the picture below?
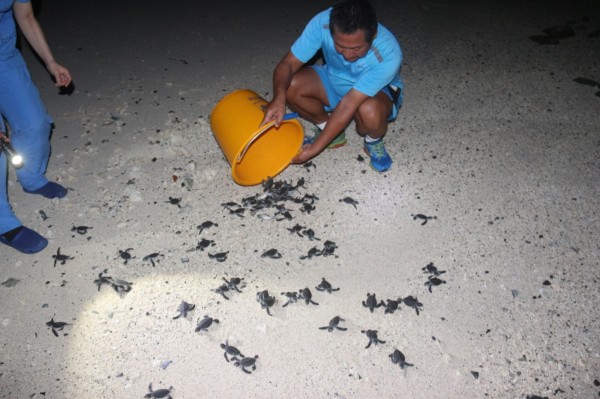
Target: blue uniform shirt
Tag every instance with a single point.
(8, 32)
(379, 68)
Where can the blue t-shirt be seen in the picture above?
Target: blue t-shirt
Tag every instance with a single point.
(379, 68)
(8, 31)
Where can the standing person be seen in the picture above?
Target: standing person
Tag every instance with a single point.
(30, 124)
(359, 81)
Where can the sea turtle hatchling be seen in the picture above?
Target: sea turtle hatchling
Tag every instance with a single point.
(333, 324)
(265, 300)
(424, 218)
(206, 322)
(373, 339)
(152, 258)
(292, 297)
(62, 258)
(126, 255)
(81, 229)
(412, 302)
(103, 279)
(271, 253)
(398, 358)
(431, 269)
(233, 283)
(205, 225)
(434, 282)
(230, 350)
(222, 289)
(121, 286)
(392, 305)
(219, 256)
(371, 302)
(56, 326)
(306, 295)
(203, 244)
(349, 201)
(245, 362)
(183, 308)
(159, 393)
(326, 286)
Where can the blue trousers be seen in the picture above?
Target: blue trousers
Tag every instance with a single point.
(30, 125)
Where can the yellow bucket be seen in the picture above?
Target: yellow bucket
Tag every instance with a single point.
(254, 153)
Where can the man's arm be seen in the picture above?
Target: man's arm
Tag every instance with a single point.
(339, 119)
(282, 77)
(35, 36)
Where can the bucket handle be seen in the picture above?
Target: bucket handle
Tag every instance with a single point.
(286, 117)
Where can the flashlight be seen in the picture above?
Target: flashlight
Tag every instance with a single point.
(14, 157)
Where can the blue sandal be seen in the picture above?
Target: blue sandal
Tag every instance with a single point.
(26, 241)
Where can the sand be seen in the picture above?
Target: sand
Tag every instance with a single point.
(495, 139)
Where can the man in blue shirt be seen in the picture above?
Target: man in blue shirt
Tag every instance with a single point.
(359, 81)
(30, 124)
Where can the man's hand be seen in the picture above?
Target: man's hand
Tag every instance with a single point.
(62, 76)
(274, 112)
(307, 152)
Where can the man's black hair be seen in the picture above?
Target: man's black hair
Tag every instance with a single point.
(349, 16)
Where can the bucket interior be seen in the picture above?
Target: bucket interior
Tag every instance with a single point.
(269, 154)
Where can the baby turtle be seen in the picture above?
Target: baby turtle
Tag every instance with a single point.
(431, 269)
(219, 257)
(292, 297)
(310, 234)
(296, 229)
(433, 281)
(422, 217)
(56, 326)
(102, 279)
(152, 258)
(349, 201)
(233, 283)
(314, 251)
(326, 286)
(238, 212)
(203, 244)
(205, 323)
(333, 324)
(392, 305)
(373, 339)
(159, 393)
(222, 289)
(61, 257)
(398, 358)
(81, 229)
(371, 302)
(206, 225)
(412, 302)
(125, 255)
(265, 300)
(174, 201)
(245, 362)
(271, 253)
(183, 309)
(121, 286)
(306, 295)
(329, 248)
(230, 350)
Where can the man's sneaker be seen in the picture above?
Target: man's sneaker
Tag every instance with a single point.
(338, 142)
(380, 159)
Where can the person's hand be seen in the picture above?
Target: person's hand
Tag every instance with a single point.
(307, 152)
(62, 76)
(274, 112)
